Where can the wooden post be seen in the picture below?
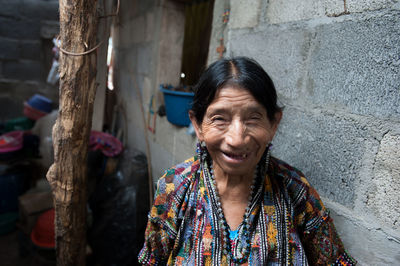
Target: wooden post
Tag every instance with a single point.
(67, 176)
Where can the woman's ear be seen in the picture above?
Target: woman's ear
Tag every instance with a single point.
(196, 125)
(277, 120)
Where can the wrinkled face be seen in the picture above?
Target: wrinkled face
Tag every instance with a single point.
(236, 130)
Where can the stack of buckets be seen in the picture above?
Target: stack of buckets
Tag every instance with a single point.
(12, 179)
(37, 106)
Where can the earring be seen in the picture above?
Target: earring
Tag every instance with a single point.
(201, 150)
(268, 155)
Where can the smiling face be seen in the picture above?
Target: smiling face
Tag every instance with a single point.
(236, 130)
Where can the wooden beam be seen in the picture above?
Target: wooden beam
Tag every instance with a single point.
(67, 176)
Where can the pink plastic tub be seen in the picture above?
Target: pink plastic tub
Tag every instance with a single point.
(11, 141)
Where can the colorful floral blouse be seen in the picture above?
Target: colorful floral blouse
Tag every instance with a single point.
(289, 226)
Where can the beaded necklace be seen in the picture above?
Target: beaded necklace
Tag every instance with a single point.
(243, 249)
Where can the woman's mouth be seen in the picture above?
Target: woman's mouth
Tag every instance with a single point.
(236, 156)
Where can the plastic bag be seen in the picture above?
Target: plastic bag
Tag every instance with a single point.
(119, 206)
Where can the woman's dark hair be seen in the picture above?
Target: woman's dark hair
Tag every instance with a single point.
(243, 72)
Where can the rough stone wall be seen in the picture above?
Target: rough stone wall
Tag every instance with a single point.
(336, 66)
(26, 30)
(148, 42)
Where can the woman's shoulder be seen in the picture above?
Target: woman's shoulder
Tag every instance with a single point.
(175, 181)
(304, 197)
(167, 211)
(288, 172)
(295, 183)
(172, 188)
(180, 173)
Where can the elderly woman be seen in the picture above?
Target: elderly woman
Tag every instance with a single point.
(234, 204)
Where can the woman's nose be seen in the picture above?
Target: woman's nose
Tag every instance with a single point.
(236, 134)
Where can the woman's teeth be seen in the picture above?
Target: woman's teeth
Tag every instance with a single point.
(237, 156)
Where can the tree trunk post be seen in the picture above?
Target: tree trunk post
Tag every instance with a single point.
(67, 176)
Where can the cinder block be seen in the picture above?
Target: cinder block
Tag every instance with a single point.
(367, 5)
(379, 245)
(30, 50)
(29, 30)
(175, 141)
(162, 159)
(122, 34)
(281, 11)
(40, 10)
(150, 26)
(9, 49)
(143, 59)
(7, 87)
(327, 148)
(49, 29)
(384, 198)
(10, 8)
(22, 70)
(9, 27)
(19, 90)
(128, 59)
(355, 66)
(147, 5)
(132, 6)
(21, 29)
(281, 51)
(244, 13)
(10, 108)
(138, 27)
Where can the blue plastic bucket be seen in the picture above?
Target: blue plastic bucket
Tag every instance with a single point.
(177, 106)
(41, 103)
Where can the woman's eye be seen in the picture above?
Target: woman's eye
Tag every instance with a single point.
(218, 118)
(254, 118)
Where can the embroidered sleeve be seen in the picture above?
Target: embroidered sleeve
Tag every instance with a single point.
(157, 245)
(321, 242)
(165, 214)
(158, 235)
(324, 247)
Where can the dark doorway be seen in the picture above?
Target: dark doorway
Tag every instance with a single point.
(198, 23)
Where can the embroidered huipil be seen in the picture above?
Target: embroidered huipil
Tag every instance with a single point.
(289, 225)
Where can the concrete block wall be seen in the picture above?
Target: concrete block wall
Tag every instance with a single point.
(148, 41)
(25, 48)
(336, 66)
